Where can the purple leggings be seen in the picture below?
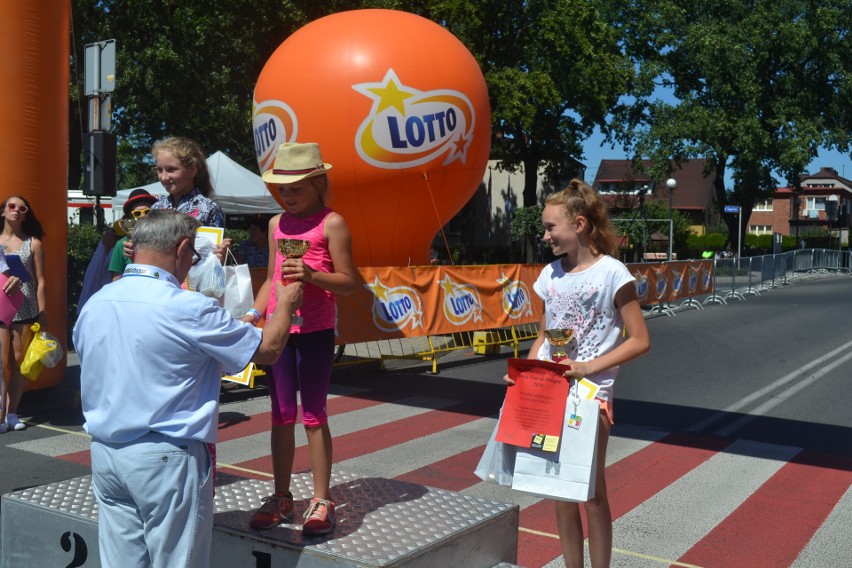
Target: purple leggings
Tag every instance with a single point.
(304, 366)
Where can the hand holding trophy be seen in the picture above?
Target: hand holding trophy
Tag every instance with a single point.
(558, 337)
(293, 248)
(127, 225)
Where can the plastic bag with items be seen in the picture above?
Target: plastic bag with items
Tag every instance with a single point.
(207, 276)
(44, 351)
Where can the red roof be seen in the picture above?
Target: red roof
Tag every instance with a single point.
(694, 190)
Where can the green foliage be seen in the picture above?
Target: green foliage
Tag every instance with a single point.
(526, 229)
(764, 244)
(526, 224)
(757, 84)
(236, 235)
(183, 68)
(83, 240)
(700, 243)
(553, 70)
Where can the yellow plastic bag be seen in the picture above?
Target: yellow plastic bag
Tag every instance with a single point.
(44, 351)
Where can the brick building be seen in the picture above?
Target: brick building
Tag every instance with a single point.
(617, 181)
(823, 202)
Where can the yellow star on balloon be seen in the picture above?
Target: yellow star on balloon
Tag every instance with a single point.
(390, 95)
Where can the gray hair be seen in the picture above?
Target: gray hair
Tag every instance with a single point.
(162, 229)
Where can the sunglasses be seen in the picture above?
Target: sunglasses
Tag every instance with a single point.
(14, 207)
(196, 258)
(139, 213)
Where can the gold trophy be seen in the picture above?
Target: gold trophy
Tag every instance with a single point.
(293, 248)
(559, 337)
(127, 225)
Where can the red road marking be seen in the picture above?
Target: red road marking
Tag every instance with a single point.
(776, 522)
(630, 482)
(367, 441)
(258, 423)
(454, 473)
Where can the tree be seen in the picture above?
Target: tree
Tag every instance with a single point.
(756, 81)
(183, 68)
(186, 68)
(553, 70)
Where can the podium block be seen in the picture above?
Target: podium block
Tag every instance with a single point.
(380, 523)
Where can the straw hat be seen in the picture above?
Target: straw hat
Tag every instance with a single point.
(296, 162)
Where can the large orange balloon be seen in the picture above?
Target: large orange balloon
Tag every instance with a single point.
(400, 109)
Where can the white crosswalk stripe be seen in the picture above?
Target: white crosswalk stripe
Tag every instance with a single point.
(656, 532)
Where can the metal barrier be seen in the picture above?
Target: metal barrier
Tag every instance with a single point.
(427, 348)
(736, 278)
(733, 279)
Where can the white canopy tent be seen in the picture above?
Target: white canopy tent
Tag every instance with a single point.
(238, 191)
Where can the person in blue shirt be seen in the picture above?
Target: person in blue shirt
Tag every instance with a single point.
(151, 358)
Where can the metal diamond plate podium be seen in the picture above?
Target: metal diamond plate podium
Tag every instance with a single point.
(380, 523)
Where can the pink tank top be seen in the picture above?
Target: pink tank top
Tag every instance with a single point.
(318, 310)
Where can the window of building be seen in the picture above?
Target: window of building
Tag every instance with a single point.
(765, 205)
(816, 203)
(624, 187)
(760, 229)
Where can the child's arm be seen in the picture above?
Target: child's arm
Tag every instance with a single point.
(261, 301)
(38, 276)
(638, 341)
(342, 280)
(12, 282)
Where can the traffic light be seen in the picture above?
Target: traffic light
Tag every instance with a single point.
(100, 164)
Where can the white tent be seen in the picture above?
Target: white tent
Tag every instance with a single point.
(238, 191)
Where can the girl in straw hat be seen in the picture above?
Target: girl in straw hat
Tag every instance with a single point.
(326, 269)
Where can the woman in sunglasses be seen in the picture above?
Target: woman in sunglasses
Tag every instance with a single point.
(138, 205)
(20, 236)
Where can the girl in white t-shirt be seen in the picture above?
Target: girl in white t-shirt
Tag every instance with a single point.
(592, 293)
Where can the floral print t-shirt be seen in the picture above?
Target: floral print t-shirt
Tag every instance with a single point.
(585, 302)
(195, 205)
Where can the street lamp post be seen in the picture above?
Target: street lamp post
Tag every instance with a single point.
(671, 183)
(796, 204)
(831, 212)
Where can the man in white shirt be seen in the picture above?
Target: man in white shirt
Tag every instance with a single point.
(151, 358)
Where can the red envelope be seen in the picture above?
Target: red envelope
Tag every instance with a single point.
(534, 408)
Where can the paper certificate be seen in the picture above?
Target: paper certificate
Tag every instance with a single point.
(215, 234)
(534, 408)
(244, 377)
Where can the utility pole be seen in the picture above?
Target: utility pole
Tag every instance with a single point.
(99, 143)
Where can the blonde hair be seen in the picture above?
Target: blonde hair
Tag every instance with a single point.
(189, 153)
(321, 184)
(580, 199)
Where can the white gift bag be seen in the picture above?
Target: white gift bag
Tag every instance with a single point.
(497, 462)
(239, 295)
(569, 473)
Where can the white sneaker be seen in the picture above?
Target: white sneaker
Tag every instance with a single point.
(13, 423)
